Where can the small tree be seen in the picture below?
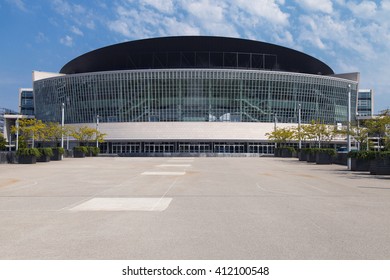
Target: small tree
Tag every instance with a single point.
(55, 132)
(380, 127)
(85, 134)
(318, 132)
(29, 129)
(281, 135)
(3, 142)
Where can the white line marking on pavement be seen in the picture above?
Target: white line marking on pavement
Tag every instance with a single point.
(163, 196)
(124, 204)
(174, 165)
(163, 173)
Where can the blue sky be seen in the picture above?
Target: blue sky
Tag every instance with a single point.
(350, 36)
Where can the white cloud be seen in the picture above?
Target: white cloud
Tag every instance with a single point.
(268, 10)
(174, 27)
(205, 10)
(165, 6)
(77, 31)
(365, 9)
(324, 6)
(285, 38)
(62, 7)
(90, 24)
(41, 38)
(19, 4)
(67, 41)
(120, 26)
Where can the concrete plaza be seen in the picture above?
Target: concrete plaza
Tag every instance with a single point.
(192, 208)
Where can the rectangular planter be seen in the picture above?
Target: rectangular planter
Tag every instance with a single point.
(27, 159)
(78, 154)
(324, 158)
(43, 158)
(56, 155)
(286, 153)
(310, 157)
(360, 164)
(380, 166)
(340, 158)
(302, 156)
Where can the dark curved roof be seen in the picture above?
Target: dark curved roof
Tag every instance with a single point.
(196, 52)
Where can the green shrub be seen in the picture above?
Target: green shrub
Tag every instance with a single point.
(362, 154)
(287, 148)
(312, 151)
(60, 150)
(82, 149)
(385, 154)
(46, 151)
(28, 152)
(328, 151)
(94, 150)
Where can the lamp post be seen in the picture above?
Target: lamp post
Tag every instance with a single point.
(299, 127)
(97, 131)
(349, 127)
(62, 124)
(17, 134)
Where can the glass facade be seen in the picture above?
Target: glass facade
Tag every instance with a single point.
(187, 147)
(26, 101)
(365, 102)
(188, 95)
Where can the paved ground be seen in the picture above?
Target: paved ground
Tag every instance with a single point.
(192, 208)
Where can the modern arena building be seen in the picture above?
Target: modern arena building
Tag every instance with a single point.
(195, 95)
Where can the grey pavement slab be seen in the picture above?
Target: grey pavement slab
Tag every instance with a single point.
(192, 208)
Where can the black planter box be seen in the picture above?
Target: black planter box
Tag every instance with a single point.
(341, 158)
(302, 156)
(324, 158)
(27, 159)
(43, 158)
(310, 157)
(380, 166)
(56, 155)
(78, 154)
(360, 164)
(286, 153)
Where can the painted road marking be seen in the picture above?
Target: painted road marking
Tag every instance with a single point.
(163, 173)
(124, 204)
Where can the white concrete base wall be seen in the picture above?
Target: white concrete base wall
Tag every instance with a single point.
(187, 130)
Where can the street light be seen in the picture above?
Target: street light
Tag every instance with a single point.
(17, 134)
(62, 124)
(349, 127)
(299, 127)
(97, 131)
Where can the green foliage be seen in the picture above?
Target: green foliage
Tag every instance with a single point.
(29, 129)
(312, 151)
(309, 151)
(384, 155)
(85, 134)
(82, 149)
(93, 150)
(2, 142)
(46, 151)
(54, 131)
(289, 149)
(328, 151)
(362, 154)
(281, 135)
(61, 151)
(28, 152)
(317, 131)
